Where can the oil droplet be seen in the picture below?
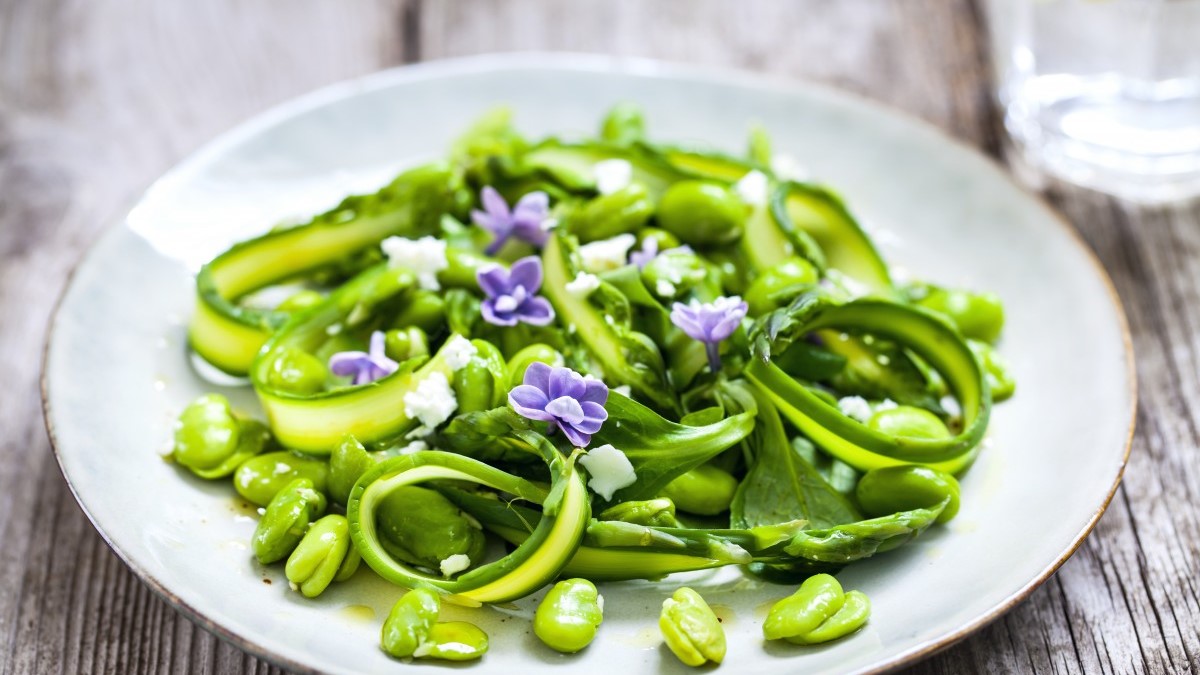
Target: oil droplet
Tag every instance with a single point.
(242, 508)
(358, 613)
(647, 638)
(234, 544)
(934, 552)
(160, 383)
(965, 527)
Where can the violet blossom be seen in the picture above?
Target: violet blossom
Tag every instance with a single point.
(649, 251)
(564, 398)
(512, 294)
(364, 366)
(527, 221)
(710, 322)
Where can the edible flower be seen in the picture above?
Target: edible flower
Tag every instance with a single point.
(710, 322)
(567, 400)
(649, 251)
(528, 221)
(364, 366)
(512, 294)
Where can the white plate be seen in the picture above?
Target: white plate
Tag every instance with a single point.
(117, 371)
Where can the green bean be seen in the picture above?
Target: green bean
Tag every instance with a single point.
(259, 478)
(286, 520)
(569, 615)
(300, 300)
(296, 371)
(701, 213)
(658, 512)
(853, 615)
(402, 344)
(608, 215)
(769, 291)
(408, 625)
(541, 353)
(421, 526)
(425, 310)
(817, 599)
(691, 629)
(908, 422)
(705, 490)
(978, 315)
(206, 433)
(319, 556)
(453, 641)
(893, 489)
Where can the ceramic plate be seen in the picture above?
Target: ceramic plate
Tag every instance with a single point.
(117, 369)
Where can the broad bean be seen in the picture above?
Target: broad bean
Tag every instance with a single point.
(701, 213)
(567, 618)
(453, 641)
(893, 489)
(675, 272)
(766, 292)
(995, 369)
(259, 478)
(908, 422)
(320, 555)
(296, 371)
(348, 461)
(253, 438)
(421, 526)
(608, 215)
(206, 433)
(409, 622)
(286, 520)
(978, 315)
(425, 310)
(402, 344)
(705, 490)
(817, 599)
(691, 629)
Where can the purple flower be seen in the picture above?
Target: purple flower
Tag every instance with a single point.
(649, 251)
(526, 221)
(564, 398)
(512, 294)
(364, 366)
(710, 322)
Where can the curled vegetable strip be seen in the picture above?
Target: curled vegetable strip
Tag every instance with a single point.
(534, 563)
(924, 333)
(228, 335)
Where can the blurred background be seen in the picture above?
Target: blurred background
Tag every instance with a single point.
(98, 97)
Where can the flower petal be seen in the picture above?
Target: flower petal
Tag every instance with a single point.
(493, 280)
(527, 272)
(594, 416)
(594, 391)
(348, 363)
(494, 203)
(578, 439)
(530, 402)
(537, 374)
(488, 310)
(532, 206)
(537, 311)
(566, 409)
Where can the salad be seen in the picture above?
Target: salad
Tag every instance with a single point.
(569, 363)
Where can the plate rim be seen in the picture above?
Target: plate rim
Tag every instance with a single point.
(604, 63)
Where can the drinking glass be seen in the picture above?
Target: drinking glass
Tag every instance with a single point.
(1103, 93)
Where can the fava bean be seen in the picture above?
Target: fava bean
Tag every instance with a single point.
(893, 489)
(691, 629)
(425, 310)
(253, 438)
(853, 615)
(206, 433)
(408, 625)
(606, 216)
(908, 422)
(978, 315)
(300, 300)
(422, 527)
(768, 291)
(259, 478)
(995, 369)
(701, 213)
(705, 490)
(286, 520)
(320, 555)
(296, 371)
(818, 598)
(676, 271)
(453, 641)
(474, 387)
(568, 616)
(348, 461)
(402, 344)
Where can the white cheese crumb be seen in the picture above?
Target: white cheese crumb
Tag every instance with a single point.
(432, 402)
(752, 188)
(855, 407)
(458, 352)
(951, 406)
(425, 257)
(624, 390)
(610, 470)
(612, 175)
(292, 585)
(455, 564)
(583, 285)
(665, 288)
(886, 404)
(415, 446)
(787, 168)
(606, 254)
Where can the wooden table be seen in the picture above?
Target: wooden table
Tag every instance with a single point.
(97, 97)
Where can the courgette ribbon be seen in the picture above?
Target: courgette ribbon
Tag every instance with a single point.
(536, 561)
(373, 412)
(926, 334)
(229, 335)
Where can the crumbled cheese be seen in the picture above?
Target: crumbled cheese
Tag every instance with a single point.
(624, 390)
(432, 402)
(665, 288)
(610, 470)
(752, 188)
(455, 564)
(458, 352)
(612, 175)
(293, 585)
(583, 285)
(787, 168)
(414, 446)
(425, 257)
(606, 254)
(855, 407)
(951, 406)
(885, 404)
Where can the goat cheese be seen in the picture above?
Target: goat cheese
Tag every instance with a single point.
(455, 564)
(607, 254)
(855, 407)
(431, 403)
(424, 257)
(612, 175)
(609, 468)
(458, 352)
(752, 188)
(583, 285)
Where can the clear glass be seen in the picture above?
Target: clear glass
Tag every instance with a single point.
(1104, 93)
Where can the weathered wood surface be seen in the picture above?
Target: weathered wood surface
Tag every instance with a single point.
(97, 97)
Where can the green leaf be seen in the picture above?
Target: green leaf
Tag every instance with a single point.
(487, 435)
(780, 485)
(661, 450)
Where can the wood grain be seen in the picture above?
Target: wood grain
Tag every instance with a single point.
(97, 97)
